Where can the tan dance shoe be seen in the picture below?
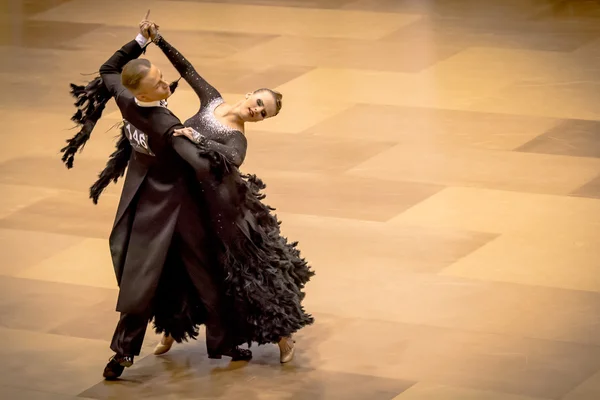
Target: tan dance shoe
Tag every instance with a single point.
(165, 345)
(287, 349)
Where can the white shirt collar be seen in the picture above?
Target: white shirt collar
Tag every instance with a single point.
(160, 103)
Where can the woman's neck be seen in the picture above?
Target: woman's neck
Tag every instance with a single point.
(232, 113)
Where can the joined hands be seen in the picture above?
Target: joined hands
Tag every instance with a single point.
(148, 29)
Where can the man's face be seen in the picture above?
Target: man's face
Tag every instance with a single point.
(153, 87)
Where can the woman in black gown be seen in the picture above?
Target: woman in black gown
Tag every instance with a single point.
(264, 273)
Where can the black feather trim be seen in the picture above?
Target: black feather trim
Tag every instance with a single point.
(115, 167)
(90, 102)
(264, 273)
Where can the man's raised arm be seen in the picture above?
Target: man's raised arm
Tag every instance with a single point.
(111, 70)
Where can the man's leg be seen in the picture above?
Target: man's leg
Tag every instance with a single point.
(207, 282)
(209, 293)
(129, 334)
(126, 343)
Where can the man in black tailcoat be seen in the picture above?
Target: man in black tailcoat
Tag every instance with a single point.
(158, 215)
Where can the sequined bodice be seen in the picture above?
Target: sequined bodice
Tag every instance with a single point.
(207, 123)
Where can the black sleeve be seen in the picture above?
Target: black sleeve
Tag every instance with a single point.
(188, 151)
(166, 123)
(234, 150)
(203, 89)
(110, 71)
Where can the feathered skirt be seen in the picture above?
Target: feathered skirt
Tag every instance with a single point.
(264, 274)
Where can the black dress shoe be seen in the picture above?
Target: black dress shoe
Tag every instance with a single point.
(116, 365)
(235, 353)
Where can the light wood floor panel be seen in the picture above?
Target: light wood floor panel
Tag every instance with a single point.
(438, 160)
(279, 20)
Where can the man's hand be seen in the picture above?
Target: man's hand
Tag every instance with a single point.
(189, 133)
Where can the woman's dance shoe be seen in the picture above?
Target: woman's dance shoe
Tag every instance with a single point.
(165, 345)
(287, 350)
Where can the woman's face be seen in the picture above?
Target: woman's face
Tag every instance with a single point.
(258, 106)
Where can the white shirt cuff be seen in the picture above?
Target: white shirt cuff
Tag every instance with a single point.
(142, 41)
